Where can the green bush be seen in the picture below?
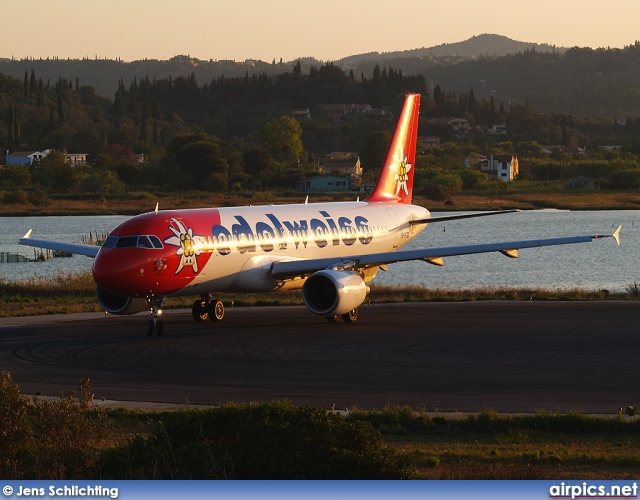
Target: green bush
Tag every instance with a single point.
(256, 441)
(436, 192)
(55, 439)
(395, 419)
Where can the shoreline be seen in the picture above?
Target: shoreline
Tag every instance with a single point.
(44, 300)
(576, 201)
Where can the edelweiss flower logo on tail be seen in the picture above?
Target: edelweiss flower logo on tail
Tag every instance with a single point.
(184, 240)
(400, 167)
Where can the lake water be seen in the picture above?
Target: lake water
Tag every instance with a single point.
(596, 265)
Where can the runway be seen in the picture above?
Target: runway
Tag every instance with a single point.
(500, 355)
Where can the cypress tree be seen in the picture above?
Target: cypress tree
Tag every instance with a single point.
(60, 109)
(32, 83)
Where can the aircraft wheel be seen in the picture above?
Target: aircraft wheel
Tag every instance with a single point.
(216, 310)
(159, 328)
(351, 316)
(150, 328)
(199, 310)
(333, 319)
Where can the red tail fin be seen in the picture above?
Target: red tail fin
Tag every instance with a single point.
(396, 177)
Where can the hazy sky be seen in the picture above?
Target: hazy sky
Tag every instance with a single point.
(287, 29)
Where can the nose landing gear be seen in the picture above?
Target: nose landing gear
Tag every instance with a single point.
(155, 324)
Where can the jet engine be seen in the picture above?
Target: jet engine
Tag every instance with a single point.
(332, 292)
(116, 304)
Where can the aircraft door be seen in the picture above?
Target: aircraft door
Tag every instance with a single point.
(394, 227)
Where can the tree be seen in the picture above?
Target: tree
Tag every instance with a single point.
(55, 171)
(60, 108)
(472, 179)
(521, 120)
(436, 192)
(32, 83)
(260, 166)
(529, 149)
(202, 166)
(15, 175)
(282, 138)
(372, 152)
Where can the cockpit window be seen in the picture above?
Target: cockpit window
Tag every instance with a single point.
(155, 241)
(144, 241)
(127, 242)
(110, 242)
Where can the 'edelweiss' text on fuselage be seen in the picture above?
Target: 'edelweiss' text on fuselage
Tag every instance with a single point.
(268, 236)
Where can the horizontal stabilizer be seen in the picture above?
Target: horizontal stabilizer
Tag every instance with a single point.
(461, 216)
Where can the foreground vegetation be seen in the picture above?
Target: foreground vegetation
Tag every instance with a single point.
(71, 438)
(70, 293)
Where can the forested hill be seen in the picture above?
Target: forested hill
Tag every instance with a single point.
(104, 74)
(478, 46)
(581, 81)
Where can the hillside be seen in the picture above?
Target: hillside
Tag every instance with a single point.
(474, 47)
(104, 74)
(580, 81)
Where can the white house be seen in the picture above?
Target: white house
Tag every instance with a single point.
(503, 167)
(29, 157)
(344, 163)
(25, 157)
(75, 158)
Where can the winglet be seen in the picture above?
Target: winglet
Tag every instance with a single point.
(28, 234)
(616, 235)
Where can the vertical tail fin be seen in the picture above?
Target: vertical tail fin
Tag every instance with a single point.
(395, 183)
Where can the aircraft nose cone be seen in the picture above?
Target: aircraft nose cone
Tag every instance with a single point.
(118, 273)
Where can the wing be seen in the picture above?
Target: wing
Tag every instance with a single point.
(293, 268)
(461, 216)
(77, 248)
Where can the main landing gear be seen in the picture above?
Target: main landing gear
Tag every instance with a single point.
(156, 325)
(204, 308)
(349, 317)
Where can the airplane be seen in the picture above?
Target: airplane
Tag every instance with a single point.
(330, 250)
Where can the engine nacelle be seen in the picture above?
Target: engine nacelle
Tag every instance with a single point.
(116, 304)
(330, 292)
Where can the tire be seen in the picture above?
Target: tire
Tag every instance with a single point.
(333, 319)
(351, 316)
(159, 328)
(199, 310)
(150, 328)
(216, 310)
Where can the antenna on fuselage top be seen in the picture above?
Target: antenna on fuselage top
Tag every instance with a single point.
(307, 200)
(156, 210)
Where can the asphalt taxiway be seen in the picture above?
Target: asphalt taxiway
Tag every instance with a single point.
(500, 355)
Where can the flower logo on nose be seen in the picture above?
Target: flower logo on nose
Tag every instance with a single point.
(183, 239)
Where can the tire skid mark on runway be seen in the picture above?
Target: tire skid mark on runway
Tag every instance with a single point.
(470, 355)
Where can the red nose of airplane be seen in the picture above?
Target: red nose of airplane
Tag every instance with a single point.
(123, 271)
(147, 255)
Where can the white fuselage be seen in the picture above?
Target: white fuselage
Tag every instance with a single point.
(247, 240)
